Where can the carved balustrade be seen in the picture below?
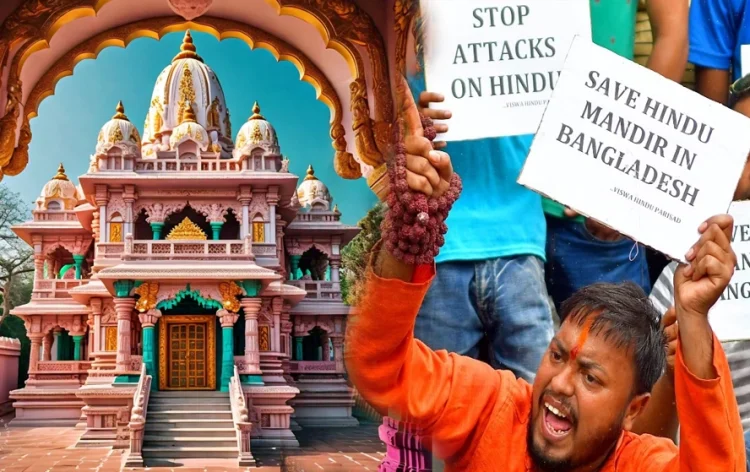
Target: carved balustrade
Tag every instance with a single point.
(312, 367)
(186, 250)
(200, 164)
(60, 371)
(55, 288)
(137, 423)
(264, 249)
(242, 423)
(318, 289)
(110, 251)
(316, 217)
(55, 216)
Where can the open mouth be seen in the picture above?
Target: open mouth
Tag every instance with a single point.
(557, 424)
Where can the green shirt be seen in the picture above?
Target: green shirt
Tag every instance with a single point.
(612, 27)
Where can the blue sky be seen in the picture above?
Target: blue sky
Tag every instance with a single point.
(69, 121)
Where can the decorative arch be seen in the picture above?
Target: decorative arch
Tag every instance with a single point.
(342, 24)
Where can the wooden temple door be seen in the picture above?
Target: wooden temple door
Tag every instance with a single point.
(189, 354)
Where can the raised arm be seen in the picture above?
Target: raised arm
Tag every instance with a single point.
(669, 25)
(449, 397)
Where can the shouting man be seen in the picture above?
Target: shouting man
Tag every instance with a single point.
(594, 379)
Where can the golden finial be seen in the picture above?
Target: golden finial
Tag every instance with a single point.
(310, 173)
(120, 115)
(60, 173)
(187, 50)
(336, 208)
(189, 113)
(256, 113)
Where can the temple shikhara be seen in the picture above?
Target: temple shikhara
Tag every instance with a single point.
(187, 298)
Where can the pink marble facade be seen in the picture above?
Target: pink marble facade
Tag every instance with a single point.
(10, 351)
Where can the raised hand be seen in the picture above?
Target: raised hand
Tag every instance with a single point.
(671, 331)
(427, 98)
(699, 284)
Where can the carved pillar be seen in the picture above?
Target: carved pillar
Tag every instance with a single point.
(272, 198)
(56, 344)
(128, 197)
(36, 343)
(326, 347)
(294, 262)
(245, 197)
(96, 310)
(299, 351)
(338, 354)
(148, 323)
(77, 339)
(124, 308)
(228, 319)
(251, 307)
(276, 305)
(47, 346)
(335, 266)
(38, 266)
(78, 260)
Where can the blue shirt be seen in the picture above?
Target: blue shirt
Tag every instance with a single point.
(718, 29)
(495, 216)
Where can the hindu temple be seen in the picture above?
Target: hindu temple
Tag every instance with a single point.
(187, 298)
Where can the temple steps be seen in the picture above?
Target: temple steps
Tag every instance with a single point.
(189, 425)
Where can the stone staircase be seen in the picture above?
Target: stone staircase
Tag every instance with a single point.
(186, 425)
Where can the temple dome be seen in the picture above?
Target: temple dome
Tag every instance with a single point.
(59, 189)
(119, 132)
(187, 81)
(256, 133)
(189, 129)
(312, 193)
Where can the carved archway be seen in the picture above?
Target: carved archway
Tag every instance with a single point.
(344, 27)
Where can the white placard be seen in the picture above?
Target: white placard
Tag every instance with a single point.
(745, 59)
(730, 317)
(496, 61)
(627, 147)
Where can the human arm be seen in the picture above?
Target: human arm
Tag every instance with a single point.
(713, 38)
(669, 26)
(659, 417)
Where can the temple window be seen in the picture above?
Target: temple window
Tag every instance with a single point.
(54, 205)
(110, 338)
(231, 228)
(116, 229)
(259, 230)
(142, 229)
(315, 345)
(314, 265)
(114, 159)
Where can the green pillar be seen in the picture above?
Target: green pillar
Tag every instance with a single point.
(77, 347)
(298, 345)
(156, 228)
(78, 259)
(227, 357)
(216, 229)
(149, 353)
(294, 261)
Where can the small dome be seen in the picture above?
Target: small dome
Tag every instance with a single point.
(59, 189)
(189, 129)
(312, 193)
(187, 79)
(256, 133)
(120, 132)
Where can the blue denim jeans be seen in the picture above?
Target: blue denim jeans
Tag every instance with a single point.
(502, 302)
(576, 258)
(747, 449)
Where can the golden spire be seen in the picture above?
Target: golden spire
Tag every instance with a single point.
(188, 114)
(336, 208)
(187, 50)
(120, 115)
(60, 173)
(256, 113)
(310, 173)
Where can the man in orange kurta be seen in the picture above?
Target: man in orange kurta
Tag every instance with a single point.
(592, 383)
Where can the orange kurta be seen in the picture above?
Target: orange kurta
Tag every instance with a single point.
(477, 417)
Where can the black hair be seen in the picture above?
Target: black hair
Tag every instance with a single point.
(623, 315)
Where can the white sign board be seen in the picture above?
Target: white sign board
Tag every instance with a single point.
(497, 61)
(635, 151)
(730, 317)
(745, 59)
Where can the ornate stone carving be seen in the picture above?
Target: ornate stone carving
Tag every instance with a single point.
(116, 205)
(227, 318)
(213, 211)
(190, 9)
(109, 314)
(158, 212)
(344, 163)
(20, 157)
(229, 293)
(148, 292)
(258, 205)
(362, 124)
(186, 231)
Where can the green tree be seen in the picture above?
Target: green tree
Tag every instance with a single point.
(355, 255)
(16, 280)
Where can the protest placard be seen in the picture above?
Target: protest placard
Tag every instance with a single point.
(497, 61)
(745, 59)
(730, 316)
(627, 147)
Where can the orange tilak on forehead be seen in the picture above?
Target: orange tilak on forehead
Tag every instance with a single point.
(581, 339)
